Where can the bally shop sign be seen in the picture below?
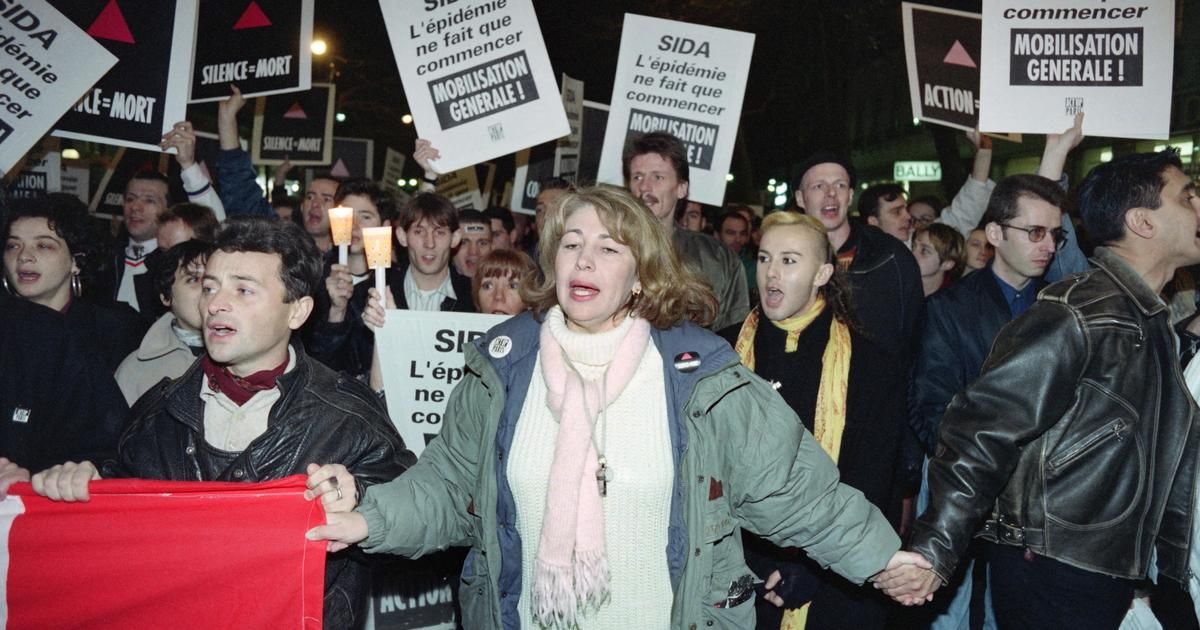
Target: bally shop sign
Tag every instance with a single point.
(917, 171)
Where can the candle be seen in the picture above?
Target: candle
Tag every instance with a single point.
(341, 223)
(377, 242)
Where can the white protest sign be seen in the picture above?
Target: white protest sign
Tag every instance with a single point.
(42, 174)
(48, 63)
(393, 170)
(1043, 64)
(684, 79)
(566, 155)
(462, 188)
(75, 181)
(421, 356)
(476, 75)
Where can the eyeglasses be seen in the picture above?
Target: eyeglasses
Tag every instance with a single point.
(1037, 233)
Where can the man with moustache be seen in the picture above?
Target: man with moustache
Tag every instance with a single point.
(256, 407)
(1073, 455)
(656, 171)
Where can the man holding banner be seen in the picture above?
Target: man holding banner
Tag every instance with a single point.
(256, 407)
(656, 171)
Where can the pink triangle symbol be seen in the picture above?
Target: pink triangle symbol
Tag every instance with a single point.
(339, 169)
(958, 56)
(111, 25)
(295, 111)
(252, 17)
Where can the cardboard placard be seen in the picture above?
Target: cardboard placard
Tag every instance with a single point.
(566, 156)
(1042, 64)
(296, 126)
(146, 92)
(421, 356)
(687, 80)
(476, 76)
(533, 165)
(42, 174)
(941, 47)
(595, 121)
(260, 45)
(393, 170)
(48, 63)
(462, 188)
(351, 157)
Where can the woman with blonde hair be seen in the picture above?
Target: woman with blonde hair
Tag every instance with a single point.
(603, 452)
(802, 336)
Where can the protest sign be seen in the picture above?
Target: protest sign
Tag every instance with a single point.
(172, 554)
(1043, 64)
(351, 157)
(421, 355)
(534, 165)
(75, 181)
(462, 188)
(393, 170)
(485, 175)
(48, 63)
(566, 156)
(42, 174)
(146, 92)
(296, 126)
(684, 79)
(595, 121)
(261, 45)
(941, 47)
(477, 77)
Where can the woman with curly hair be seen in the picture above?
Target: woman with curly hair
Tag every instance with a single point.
(603, 452)
(48, 259)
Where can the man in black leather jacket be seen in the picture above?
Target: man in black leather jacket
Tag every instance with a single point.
(1074, 452)
(256, 407)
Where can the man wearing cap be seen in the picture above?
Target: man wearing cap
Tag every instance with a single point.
(886, 281)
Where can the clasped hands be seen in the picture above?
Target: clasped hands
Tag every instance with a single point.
(339, 495)
(908, 578)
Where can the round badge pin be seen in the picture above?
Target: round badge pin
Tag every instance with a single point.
(500, 347)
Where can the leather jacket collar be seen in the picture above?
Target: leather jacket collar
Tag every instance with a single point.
(1128, 281)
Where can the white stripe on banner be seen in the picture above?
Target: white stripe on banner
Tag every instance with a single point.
(10, 508)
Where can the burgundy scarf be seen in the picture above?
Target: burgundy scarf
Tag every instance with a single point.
(237, 388)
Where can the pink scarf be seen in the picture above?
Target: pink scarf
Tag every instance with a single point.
(572, 569)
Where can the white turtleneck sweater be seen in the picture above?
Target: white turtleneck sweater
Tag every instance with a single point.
(637, 508)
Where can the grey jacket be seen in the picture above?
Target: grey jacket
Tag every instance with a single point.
(162, 355)
(720, 268)
(729, 431)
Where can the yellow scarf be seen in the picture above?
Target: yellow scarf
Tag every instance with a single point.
(829, 418)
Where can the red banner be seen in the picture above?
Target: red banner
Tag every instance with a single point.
(161, 554)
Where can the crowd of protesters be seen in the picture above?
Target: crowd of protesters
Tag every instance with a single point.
(694, 417)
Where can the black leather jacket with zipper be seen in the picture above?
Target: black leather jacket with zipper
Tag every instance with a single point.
(1076, 442)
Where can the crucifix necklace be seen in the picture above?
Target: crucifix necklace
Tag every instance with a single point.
(604, 473)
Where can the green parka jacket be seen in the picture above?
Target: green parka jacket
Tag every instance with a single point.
(742, 460)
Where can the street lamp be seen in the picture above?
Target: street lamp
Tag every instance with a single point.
(318, 47)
